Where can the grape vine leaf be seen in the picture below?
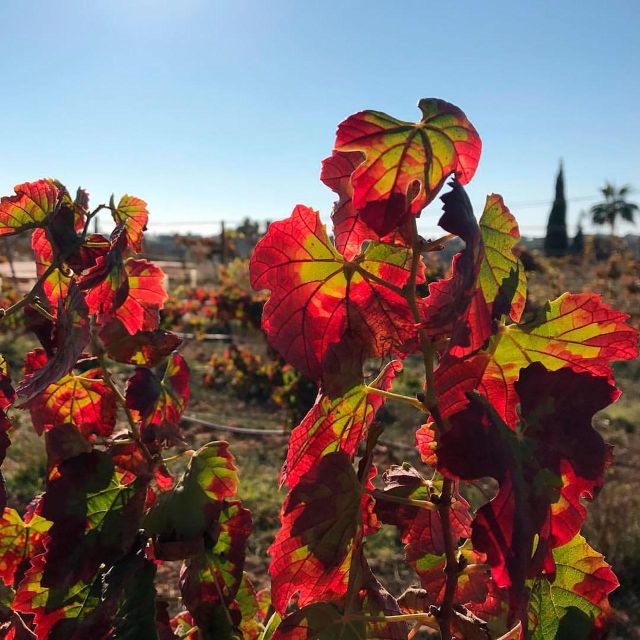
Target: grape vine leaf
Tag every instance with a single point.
(128, 590)
(334, 425)
(349, 231)
(84, 401)
(159, 404)
(420, 527)
(181, 517)
(32, 206)
(321, 523)
(517, 530)
(327, 621)
(56, 284)
(143, 348)
(487, 281)
(209, 582)
(575, 600)
(132, 212)
(400, 155)
(7, 393)
(114, 603)
(95, 517)
(18, 539)
(576, 331)
(145, 296)
(70, 335)
(322, 306)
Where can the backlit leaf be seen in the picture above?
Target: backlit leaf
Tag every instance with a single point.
(574, 604)
(32, 206)
(349, 230)
(321, 522)
(399, 155)
(328, 621)
(18, 538)
(83, 401)
(575, 331)
(143, 348)
(333, 425)
(181, 517)
(95, 517)
(517, 529)
(159, 404)
(145, 297)
(210, 581)
(487, 281)
(321, 307)
(133, 213)
(70, 336)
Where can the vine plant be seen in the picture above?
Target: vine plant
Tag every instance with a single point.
(504, 398)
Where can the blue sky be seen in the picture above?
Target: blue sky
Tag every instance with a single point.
(212, 109)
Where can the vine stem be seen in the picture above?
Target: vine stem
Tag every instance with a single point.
(414, 402)
(177, 456)
(452, 568)
(409, 502)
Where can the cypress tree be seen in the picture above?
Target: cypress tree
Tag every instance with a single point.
(577, 246)
(556, 242)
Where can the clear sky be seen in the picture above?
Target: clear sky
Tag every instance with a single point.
(212, 109)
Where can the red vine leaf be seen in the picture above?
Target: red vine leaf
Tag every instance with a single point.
(399, 155)
(334, 425)
(349, 230)
(576, 331)
(321, 307)
(56, 284)
(487, 281)
(18, 540)
(320, 525)
(576, 599)
(159, 404)
(83, 401)
(7, 393)
(364, 621)
(517, 530)
(145, 296)
(143, 348)
(69, 337)
(133, 213)
(32, 206)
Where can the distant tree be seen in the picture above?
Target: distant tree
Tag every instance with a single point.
(577, 244)
(615, 205)
(556, 241)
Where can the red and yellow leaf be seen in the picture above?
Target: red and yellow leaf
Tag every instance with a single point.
(321, 523)
(32, 206)
(321, 307)
(518, 529)
(334, 425)
(400, 155)
(143, 348)
(575, 331)
(159, 404)
(576, 599)
(83, 401)
(145, 296)
(18, 539)
(133, 213)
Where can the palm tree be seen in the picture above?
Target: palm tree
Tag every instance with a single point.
(615, 205)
